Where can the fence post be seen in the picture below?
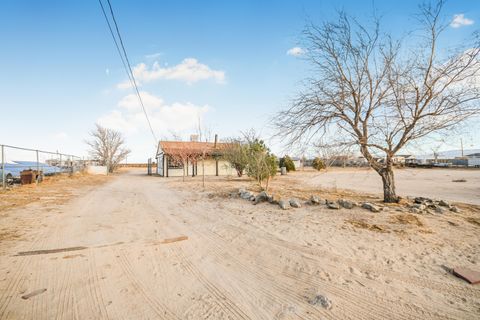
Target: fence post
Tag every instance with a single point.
(38, 169)
(4, 184)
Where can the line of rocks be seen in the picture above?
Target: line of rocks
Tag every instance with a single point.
(314, 201)
(422, 205)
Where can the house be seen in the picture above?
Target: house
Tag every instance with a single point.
(178, 158)
(473, 160)
(404, 159)
(297, 162)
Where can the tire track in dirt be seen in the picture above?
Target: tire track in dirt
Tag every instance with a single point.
(270, 238)
(12, 289)
(267, 239)
(186, 262)
(222, 299)
(225, 256)
(98, 304)
(406, 311)
(161, 310)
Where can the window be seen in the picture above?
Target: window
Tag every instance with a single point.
(174, 163)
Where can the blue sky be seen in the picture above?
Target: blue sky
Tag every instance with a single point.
(225, 62)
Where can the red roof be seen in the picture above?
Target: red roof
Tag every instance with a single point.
(190, 147)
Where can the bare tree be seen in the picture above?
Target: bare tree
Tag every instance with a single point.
(383, 93)
(107, 147)
(185, 156)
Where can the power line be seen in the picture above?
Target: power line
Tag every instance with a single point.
(125, 61)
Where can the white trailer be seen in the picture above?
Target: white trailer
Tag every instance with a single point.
(474, 162)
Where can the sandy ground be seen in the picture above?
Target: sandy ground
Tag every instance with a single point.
(436, 183)
(140, 247)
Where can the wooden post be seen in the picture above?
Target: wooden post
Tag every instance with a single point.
(4, 183)
(38, 169)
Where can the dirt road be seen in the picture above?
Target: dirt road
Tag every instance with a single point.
(107, 254)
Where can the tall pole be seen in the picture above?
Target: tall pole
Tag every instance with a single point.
(38, 169)
(4, 184)
(461, 143)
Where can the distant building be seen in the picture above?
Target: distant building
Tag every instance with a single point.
(298, 162)
(473, 160)
(176, 158)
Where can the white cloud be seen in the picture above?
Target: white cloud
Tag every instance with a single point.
(129, 117)
(155, 55)
(459, 20)
(189, 71)
(295, 51)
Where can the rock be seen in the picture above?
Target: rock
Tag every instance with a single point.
(443, 203)
(454, 209)
(315, 200)
(321, 300)
(261, 197)
(252, 198)
(271, 199)
(370, 206)
(422, 200)
(332, 205)
(246, 195)
(419, 206)
(415, 210)
(346, 204)
(440, 209)
(283, 204)
(241, 190)
(295, 203)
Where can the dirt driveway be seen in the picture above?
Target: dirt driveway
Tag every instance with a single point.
(120, 251)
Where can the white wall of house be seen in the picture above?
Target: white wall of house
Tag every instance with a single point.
(224, 168)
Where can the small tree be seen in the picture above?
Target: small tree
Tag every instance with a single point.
(287, 162)
(262, 165)
(318, 164)
(107, 147)
(237, 154)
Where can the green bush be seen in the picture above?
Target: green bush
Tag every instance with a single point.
(318, 164)
(287, 163)
(262, 164)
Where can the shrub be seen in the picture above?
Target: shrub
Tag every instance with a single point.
(318, 164)
(237, 154)
(262, 164)
(287, 163)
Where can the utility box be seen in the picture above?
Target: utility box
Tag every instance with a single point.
(26, 176)
(29, 176)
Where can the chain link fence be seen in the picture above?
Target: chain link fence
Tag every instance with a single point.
(17, 162)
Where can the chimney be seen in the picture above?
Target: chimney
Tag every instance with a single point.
(194, 137)
(216, 139)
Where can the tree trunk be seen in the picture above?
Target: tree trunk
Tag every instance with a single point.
(388, 179)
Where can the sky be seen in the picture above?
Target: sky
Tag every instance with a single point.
(229, 65)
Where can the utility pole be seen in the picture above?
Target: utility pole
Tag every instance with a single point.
(461, 144)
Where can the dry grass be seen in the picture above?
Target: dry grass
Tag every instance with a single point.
(473, 220)
(53, 190)
(283, 187)
(406, 219)
(362, 224)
